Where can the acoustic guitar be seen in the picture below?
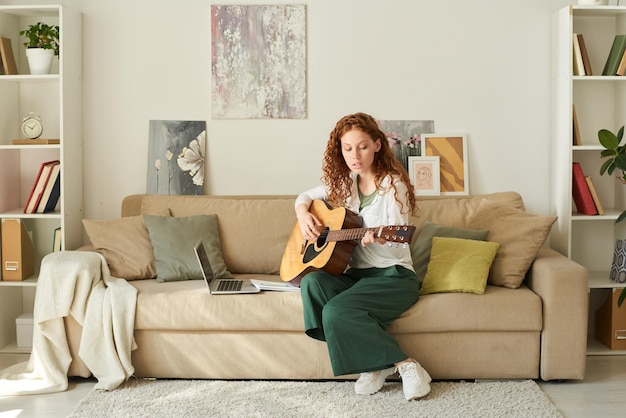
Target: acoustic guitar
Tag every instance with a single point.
(333, 248)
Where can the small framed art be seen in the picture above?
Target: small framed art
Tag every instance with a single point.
(452, 151)
(424, 175)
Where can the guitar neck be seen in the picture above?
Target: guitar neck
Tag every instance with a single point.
(350, 234)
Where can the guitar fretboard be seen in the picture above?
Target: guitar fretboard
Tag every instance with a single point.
(349, 234)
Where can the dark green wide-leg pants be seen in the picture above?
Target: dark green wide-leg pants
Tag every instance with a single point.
(352, 312)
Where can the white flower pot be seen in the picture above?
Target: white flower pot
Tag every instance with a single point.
(593, 2)
(39, 60)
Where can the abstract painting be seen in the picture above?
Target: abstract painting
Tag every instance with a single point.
(258, 56)
(404, 136)
(176, 153)
(452, 153)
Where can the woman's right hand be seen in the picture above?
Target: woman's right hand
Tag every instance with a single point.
(310, 226)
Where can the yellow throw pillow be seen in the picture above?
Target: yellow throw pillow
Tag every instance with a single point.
(458, 265)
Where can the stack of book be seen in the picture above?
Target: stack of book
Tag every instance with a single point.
(584, 193)
(46, 190)
(615, 63)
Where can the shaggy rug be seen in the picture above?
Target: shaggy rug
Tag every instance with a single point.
(200, 398)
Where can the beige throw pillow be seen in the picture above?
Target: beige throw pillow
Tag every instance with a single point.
(125, 244)
(520, 235)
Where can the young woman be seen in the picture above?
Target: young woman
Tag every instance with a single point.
(352, 311)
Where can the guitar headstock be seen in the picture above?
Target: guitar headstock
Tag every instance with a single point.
(401, 234)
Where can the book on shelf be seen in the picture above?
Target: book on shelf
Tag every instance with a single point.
(7, 57)
(615, 56)
(18, 252)
(584, 54)
(52, 191)
(579, 66)
(57, 240)
(581, 193)
(38, 141)
(594, 195)
(621, 68)
(38, 187)
(575, 128)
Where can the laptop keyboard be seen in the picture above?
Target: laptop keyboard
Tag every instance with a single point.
(229, 285)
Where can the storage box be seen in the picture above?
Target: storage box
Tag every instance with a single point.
(24, 327)
(611, 322)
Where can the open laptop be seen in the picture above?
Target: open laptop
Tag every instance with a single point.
(220, 286)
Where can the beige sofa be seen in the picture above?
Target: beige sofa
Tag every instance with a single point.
(538, 330)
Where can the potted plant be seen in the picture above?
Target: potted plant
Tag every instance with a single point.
(41, 46)
(615, 153)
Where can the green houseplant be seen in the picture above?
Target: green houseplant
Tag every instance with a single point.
(615, 154)
(42, 43)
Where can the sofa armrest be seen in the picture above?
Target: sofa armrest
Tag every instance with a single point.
(563, 286)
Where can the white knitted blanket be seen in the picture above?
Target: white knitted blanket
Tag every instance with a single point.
(77, 283)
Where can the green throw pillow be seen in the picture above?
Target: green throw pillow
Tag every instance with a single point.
(459, 265)
(420, 250)
(173, 240)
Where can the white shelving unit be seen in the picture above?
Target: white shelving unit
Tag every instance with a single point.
(600, 102)
(56, 98)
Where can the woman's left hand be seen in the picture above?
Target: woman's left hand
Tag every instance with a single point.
(369, 238)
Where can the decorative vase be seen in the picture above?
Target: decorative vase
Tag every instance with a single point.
(618, 267)
(39, 60)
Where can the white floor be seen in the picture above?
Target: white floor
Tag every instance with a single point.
(601, 394)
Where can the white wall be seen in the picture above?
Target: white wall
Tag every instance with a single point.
(475, 67)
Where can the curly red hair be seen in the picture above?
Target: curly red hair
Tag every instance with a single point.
(337, 173)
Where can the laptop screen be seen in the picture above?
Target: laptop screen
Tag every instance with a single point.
(205, 264)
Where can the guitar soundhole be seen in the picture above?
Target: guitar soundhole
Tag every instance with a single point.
(314, 248)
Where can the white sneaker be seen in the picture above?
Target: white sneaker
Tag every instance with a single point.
(372, 382)
(415, 380)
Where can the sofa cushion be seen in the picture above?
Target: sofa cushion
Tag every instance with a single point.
(173, 240)
(188, 306)
(421, 247)
(520, 235)
(458, 265)
(125, 244)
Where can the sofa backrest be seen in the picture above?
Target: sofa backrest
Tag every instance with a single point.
(255, 229)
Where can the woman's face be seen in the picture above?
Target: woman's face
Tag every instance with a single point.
(358, 150)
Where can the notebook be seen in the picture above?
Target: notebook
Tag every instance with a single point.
(220, 286)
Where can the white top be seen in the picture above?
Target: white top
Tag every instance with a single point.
(383, 211)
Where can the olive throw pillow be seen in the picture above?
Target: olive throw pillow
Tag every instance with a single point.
(173, 240)
(520, 235)
(421, 247)
(458, 265)
(125, 245)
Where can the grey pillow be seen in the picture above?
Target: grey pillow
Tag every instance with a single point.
(421, 248)
(173, 240)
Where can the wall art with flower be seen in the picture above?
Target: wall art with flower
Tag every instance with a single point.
(176, 151)
(404, 136)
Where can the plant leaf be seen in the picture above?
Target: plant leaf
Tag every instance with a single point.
(621, 298)
(620, 162)
(605, 166)
(608, 139)
(621, 217)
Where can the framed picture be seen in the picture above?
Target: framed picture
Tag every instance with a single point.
(452, 152)
(424, 175)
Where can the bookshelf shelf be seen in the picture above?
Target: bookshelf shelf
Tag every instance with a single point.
(57, 99)
(600, 103)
